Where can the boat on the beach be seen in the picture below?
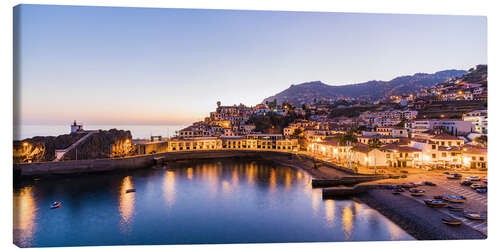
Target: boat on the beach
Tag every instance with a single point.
(435, 203)
(473, 178)
(455, 208)
(474, 216)
(428, 183)
(438, 197)
(408, 185)
(454, 198)
(454, 176)
(56, 204)
(131, 190)
(481, 190)
(477, 186)
(451, 221)
(417, 192)
(465, 183)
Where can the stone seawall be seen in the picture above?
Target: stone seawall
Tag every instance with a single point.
(100, 165)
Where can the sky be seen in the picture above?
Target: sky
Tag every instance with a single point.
(107, 65)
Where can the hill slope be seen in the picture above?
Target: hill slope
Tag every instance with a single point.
(371, 90)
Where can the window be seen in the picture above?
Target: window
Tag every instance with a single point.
(433, 156)
(387, 155)
(443, 154)
(481, 158)
(433, 146)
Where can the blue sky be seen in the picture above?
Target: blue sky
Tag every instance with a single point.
(105, 65)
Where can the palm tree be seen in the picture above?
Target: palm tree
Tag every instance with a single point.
(374, 144)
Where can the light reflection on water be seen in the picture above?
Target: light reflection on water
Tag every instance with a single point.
(126, 206)
(24, 217)
(226, 201)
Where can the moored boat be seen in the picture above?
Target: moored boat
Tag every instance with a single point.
(481, 190)
(454, 198)
(451, 221)
(417, 192)
(56, 204)
(454, 176)
(475, 216)
(435, 203)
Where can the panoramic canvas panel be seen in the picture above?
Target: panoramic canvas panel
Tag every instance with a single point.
(144, 126)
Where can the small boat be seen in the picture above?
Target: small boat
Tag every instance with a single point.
(485, 180)
(451, 221)
(465, 183)
(417, 192)
(477, 186)
(455, 208)
(454, 198)
(474, 216)
(473, 178)
(130, 190)
(454, 176)
(56, 204)
(435, 203)
(428, 183)
(481, 190)
(438, 197)
(395, 192)
(408, 185)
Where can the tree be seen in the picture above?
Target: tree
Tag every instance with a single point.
(483, 140)
(374, 144)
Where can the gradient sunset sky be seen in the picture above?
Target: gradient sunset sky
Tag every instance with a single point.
(104, 65)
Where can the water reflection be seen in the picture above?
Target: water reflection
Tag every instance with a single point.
(126, 204)
(330, 213)
(250, 199)
(272, 180)
(169, 188)
(347, 221)
(24, 217)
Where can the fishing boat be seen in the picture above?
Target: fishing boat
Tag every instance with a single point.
(417, 192)
(56, 204)
(435, 203)
(474, 216)
(454, 198)
(455, 208)
(451, 221)
(130, 190)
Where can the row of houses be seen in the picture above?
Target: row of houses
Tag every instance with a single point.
(439, 151)
(264, 142)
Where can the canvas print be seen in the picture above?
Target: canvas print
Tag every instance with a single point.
(157, 126)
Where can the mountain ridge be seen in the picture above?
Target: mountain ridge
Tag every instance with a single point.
(307, 92)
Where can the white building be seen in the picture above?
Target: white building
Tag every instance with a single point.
(479, 119)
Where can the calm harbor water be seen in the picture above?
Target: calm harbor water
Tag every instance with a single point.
(138, 131)
(217, 201)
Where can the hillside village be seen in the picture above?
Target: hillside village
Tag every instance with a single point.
(400, 131)
(442, 126)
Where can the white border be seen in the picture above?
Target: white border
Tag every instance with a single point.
(453, 7)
